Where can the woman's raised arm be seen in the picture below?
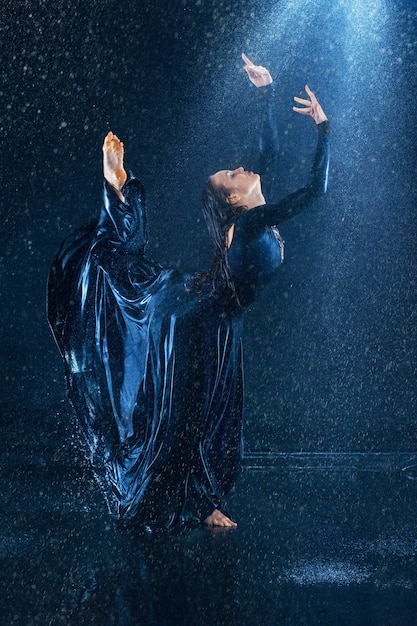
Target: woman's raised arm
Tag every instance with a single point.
(274, 214)
(267, 165)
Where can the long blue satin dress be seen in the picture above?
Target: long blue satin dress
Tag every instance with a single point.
(154, 371)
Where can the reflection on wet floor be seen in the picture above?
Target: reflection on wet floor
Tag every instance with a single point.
(329, 546)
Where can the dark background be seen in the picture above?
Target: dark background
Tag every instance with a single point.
(330, 347)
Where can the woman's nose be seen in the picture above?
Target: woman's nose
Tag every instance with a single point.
(239, 170)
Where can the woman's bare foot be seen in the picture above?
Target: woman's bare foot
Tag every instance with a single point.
(217, 518)
(113, 169)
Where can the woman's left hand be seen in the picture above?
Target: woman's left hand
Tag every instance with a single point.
(312, 107)
(258, 75)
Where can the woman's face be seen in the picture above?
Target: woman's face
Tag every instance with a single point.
(244, 184)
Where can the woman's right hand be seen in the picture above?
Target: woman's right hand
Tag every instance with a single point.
(258, 75)
(311, 107)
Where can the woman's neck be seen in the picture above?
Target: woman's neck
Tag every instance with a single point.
(230, 234)
(255, 200)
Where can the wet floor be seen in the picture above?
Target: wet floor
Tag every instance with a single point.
(322, 543)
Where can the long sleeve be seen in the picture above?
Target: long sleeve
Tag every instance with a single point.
(268, 141)
(274, 214)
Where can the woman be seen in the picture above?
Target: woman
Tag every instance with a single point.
(153, 359)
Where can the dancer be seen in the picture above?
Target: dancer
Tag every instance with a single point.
(153, 359)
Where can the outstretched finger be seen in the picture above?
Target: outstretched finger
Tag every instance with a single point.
(302, 101)
(247, 61)
(311, 94)
(303, 111)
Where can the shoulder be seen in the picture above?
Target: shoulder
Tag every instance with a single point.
(252, 219)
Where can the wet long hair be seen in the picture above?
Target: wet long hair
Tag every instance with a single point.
(219, 216)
